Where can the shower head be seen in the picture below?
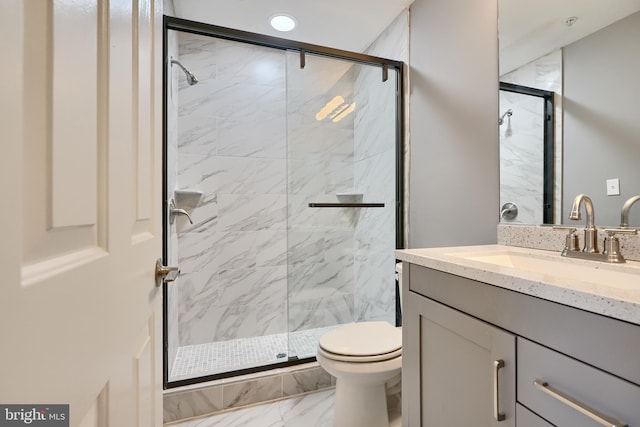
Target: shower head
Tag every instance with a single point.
(508, 113)
(191, 79)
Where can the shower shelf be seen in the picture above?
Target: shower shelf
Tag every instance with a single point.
(354, 195)
(187, 198)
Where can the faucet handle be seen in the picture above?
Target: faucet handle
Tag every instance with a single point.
(571, 243)
(612, 244)
(613, 231)
(565, 227)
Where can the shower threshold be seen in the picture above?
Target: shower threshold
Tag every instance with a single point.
(201, 360)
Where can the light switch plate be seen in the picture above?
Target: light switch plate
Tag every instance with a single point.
(613, 187)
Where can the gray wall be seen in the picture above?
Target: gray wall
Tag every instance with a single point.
(454, 188)
(602, 119)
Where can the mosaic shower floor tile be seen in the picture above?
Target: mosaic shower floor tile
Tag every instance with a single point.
(218, 357)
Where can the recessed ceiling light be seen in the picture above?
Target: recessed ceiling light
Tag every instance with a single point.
(282, 22)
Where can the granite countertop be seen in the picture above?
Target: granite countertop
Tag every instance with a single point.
(611, 290)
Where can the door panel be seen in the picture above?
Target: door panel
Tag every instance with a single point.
(81, 217)
(455, 355)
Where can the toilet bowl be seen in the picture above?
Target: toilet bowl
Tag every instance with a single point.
(362, 356)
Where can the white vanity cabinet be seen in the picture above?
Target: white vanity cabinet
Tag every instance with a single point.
(558, 365)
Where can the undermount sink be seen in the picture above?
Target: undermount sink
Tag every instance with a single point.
(553, 265)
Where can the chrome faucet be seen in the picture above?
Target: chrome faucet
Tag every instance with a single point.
(590, 231)
(611, 252)
(624, 216)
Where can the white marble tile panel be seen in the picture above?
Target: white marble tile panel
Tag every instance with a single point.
(306, 247)
(306, 176)
(272, 211)
(305, 381)
(257, 136)
(179, 406)
(216, 98)
(232, 322)
(338, 246)
(252, 286)
(270, 176)
(314, 410)
(271, 248)
(234, 250)
(198, 134)
(238, 212)
(196, 249)
(243, 63)
(245, 393)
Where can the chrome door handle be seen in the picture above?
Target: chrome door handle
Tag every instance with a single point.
(499, 416)
(165, 274)
(578, 406)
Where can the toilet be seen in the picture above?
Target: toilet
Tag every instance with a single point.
(362, 356)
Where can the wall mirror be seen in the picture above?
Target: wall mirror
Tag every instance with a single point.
(587, 53)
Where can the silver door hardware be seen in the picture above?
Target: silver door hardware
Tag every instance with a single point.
(499, 416)
(165, 274)
(578, 406)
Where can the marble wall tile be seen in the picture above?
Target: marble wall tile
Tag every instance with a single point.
(258, 390)
(198, 134)
(249, 121)
(243, 196)
(178, 406)
(375, 175)
(265, 138)
(228, 322)
(243, 63)
(299, 412)
(252, 286)
(271, 248)
(305, 381)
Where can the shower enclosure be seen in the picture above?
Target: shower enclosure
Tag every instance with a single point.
(282, 187)
(526, 124)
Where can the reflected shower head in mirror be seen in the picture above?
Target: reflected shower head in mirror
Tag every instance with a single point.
(508, 113)
(191, 79)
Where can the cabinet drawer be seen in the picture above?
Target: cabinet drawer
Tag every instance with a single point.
(562, 379)
(526, 418)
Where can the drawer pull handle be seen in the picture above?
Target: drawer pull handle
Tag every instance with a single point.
(499, 416)
(578, 406)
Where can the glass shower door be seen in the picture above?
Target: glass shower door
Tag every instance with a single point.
(341, 179)
(226, 168)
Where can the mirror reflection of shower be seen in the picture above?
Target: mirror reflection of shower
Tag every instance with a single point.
(508, 114)
(191, 79)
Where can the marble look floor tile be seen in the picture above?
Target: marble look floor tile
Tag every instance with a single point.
(309, 410)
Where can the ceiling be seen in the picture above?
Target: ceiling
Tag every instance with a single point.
(342, 24)
(528, 29)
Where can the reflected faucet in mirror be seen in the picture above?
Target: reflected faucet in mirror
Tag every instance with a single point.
(507, 113)
(624, 216)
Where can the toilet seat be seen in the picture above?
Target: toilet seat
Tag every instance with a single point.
(362, 342)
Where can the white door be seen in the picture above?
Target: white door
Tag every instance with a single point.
(80, 216)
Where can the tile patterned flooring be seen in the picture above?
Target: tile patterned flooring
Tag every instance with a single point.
(309, 410)
(217, 357)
